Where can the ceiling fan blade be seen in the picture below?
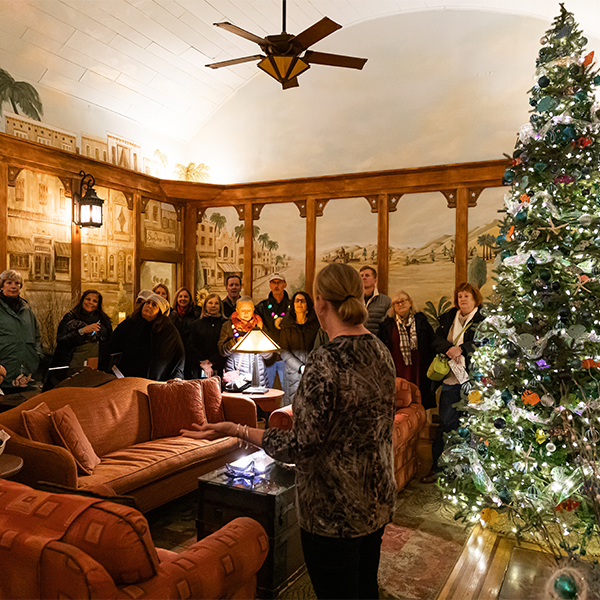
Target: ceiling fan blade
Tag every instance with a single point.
(291, 83)
(241, 32)
(316, 32)
(334, 60)
(234, 61)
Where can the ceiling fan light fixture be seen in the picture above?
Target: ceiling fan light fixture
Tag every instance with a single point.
(283, 68)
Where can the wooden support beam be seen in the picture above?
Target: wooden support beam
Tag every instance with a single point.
(461, 239)
(75, 253)
(311, 246)
(3, 216)
(137, 243)
(190, 228)
(383, 243)
(248, 244)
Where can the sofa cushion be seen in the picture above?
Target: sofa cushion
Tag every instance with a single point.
(37, 423)
(174, 406)
(404, 393)
(211, 389)
(118, 537)
(68, 433)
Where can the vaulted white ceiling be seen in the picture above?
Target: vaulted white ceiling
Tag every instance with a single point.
(145, 59)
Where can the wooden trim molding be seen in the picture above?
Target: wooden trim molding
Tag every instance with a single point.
(4, 183)
(13, 173)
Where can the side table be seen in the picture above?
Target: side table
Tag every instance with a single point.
(268, 401)
(10, 465)
(270, 500)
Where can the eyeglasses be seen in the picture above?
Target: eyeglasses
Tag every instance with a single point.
(401, 302)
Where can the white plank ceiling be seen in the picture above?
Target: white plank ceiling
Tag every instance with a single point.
(145, 59)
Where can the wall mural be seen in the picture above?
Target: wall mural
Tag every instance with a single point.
(20, 94)
(153, 273)
(347, 233)
(484, 228)
(161, 225)
(39, 246)
(107, 255)
(219, 249)
(422, 248)
(280, 246)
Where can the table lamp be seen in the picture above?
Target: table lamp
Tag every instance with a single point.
(255, 342)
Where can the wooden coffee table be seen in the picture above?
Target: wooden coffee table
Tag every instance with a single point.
(270, 499)
(10, 465)
(269, 401)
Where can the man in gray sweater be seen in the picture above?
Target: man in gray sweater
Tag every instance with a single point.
(377, 304)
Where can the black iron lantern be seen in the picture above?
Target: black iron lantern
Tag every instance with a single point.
(87, 206)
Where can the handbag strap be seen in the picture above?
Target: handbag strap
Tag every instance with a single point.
(463, 330)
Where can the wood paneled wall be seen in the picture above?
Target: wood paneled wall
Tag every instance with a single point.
(461, 184)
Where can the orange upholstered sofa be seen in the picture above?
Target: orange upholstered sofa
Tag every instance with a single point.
(66, 546)
(116, 418)
(409, 419)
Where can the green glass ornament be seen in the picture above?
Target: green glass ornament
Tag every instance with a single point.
(565, 587)
(580, 96)
(546, 103)
(545, 275)
(540, 166)
(519, 315)
(597, 80)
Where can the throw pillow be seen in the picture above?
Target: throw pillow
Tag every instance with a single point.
(211, 388)
(37, 424)
(67, 432)
(174, 406)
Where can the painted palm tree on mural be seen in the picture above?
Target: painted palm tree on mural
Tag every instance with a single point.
(263, 239)
(193, 172)
(20, 94)
(239, 230)
(219, 221)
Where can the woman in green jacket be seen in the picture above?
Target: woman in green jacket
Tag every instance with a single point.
(20, 350)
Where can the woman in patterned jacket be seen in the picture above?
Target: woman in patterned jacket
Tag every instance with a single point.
(341, 443)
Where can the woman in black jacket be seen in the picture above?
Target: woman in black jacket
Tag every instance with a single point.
(83, 334)
(203, 342)
(454, 338)
(298, 332)
(149, 344)
(183, 314)
(408, 336)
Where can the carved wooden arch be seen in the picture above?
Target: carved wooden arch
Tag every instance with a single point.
(256, 210)
(13, 173)
(392, 204)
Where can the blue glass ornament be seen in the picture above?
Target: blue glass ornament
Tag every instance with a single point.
(580, 96)
(597, 80)
(501, 239)
(505, 496)
(521, 216)
(509, 176)
(464, 432)
(565, 587)
(505, 254)
(568, 133)
(531, 263)
(540, 166)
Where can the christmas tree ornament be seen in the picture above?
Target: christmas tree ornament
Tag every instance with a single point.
(540, 436)
(565, 587)
(482, 450)
(543, 81)
(499, 423)
(545, 275)
(550, 447)
(464, 432)
(530, 398)
(506, 396)
(592, 435)
(547, 400)
(475, 397)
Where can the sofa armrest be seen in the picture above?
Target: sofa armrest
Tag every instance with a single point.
(282, 418)
(214, 567)
(407, 393)
(42, 462)
(239, 410)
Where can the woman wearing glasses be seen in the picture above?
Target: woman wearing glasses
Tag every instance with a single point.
(408, 335)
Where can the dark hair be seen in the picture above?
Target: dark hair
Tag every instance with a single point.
(342, 287)
(162, 285)
(230, 277)
(467, 287)
(209, 297)
(309, 304)
(366, 267)
(161, 320)
(176, 296)
(78, 310)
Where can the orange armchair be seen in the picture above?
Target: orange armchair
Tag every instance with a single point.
(408, 421)
(67, 546)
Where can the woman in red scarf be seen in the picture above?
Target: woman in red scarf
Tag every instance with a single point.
(182, 315)
(243, 320)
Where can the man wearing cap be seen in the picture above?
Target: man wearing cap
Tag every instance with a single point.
(271, 311)
(233, 287)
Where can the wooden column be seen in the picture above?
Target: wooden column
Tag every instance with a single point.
(383, 242)
(248, 244)
(75, 248)
(3, 216)
(311, 246)
(137, 242)
(461, 240)
(189, 248)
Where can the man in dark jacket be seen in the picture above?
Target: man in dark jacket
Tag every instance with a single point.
(377, 304)
(271, 311)
(233, 287)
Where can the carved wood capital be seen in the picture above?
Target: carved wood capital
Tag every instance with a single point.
(200, 212)
(373, 203)
(13, 173)
(66, 181)
(450, 196)
(256, 210)
(178, 211)
(301, 204)
(321, 204)
(144, 203)
(393, 200)
(241, 211)
(129, 199)
(474, 194)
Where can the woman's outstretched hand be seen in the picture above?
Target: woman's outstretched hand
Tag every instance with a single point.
(210, 431)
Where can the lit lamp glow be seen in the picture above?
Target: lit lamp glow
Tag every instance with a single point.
(87, 206)
(255, 342)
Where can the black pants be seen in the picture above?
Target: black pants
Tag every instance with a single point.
(449, 419)
(343, 567)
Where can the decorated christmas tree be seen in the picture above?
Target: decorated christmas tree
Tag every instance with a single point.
(526, 447)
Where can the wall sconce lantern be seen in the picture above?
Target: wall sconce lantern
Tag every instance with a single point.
(87, 207)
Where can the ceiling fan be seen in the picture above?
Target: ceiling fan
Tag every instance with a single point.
(283, 59)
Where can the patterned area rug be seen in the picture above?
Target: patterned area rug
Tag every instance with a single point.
(419, 548)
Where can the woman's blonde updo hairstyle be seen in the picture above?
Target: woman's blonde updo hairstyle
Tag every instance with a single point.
(341, 285)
